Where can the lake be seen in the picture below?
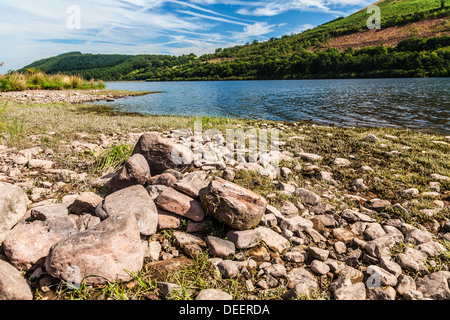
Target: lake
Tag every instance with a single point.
(418, 104)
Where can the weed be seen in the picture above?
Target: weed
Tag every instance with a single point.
(113, 158)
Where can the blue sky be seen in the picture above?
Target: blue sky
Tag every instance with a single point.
(31, 29)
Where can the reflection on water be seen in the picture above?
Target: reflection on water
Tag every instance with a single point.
(420, 104)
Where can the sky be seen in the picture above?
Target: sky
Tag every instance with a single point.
(37, 29)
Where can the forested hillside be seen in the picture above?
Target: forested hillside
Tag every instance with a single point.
(410, 51)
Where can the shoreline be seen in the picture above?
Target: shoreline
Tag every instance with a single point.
(68, 96)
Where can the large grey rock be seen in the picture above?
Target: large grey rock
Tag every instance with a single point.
(417, 236)
(307, 196)
(163, 154)
(233, 205)
(302, 276)
(137, 201)
(13, 206)
(412, 260)
(136, 170)
(12, 285)
(107, 252)
(435, 286)
(178, 203)
(27, 245)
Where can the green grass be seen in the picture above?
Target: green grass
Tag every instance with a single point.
(113, 158)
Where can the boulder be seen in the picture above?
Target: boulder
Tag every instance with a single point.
(46, 212)
(244, 239)
(134, 200)
(213, 294)
(27, 245)
(178, 203)
(233, 205)
(162, 153)
(13, 206)
(12, 285)
(135, 171)
(220, 247)
(107, 252)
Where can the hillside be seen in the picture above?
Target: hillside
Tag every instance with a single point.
(413, 42)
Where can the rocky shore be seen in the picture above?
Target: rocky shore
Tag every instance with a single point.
(328, 223)
(63, 96)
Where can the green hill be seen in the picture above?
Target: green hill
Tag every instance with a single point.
(413, 42)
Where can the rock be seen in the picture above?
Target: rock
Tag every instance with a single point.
(155, 190)
(358, 184)
(295, 256)
(163, 154)
(378, 205)
(220, 247)
(168, 220)
(318, 253)
(390, 266)
(354, 216)
(371, 137)
(412, 260)
(273, 239)
(384, 293)
(12, 285)
(233, 205)
(320, 268)
(288, 208)
(44, 213)
(229, 175)
(309, 156)
(340, 247)
(405, 284)
(342, 234)
(27, 245)
(43, 164)
(166, 179)
(213, 294)
(308, 197)
(135, 171)
(373, 231)
(296, 223)
(244, 239)
(191, 244)
(355, 291)
(341, 162)
(437, 176)
(326, 176)
(86, 202)
(107, 252)
(351, 273)
(435, 286)
(431, 248)
(417, 236)
(13, 206)
(134, 200)
(381, 277)
(286, 188)
(192, 184)
(154, 250)
(302, 276)
(169, 290)
(410, 192)
(176, 202)
(228, 269)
